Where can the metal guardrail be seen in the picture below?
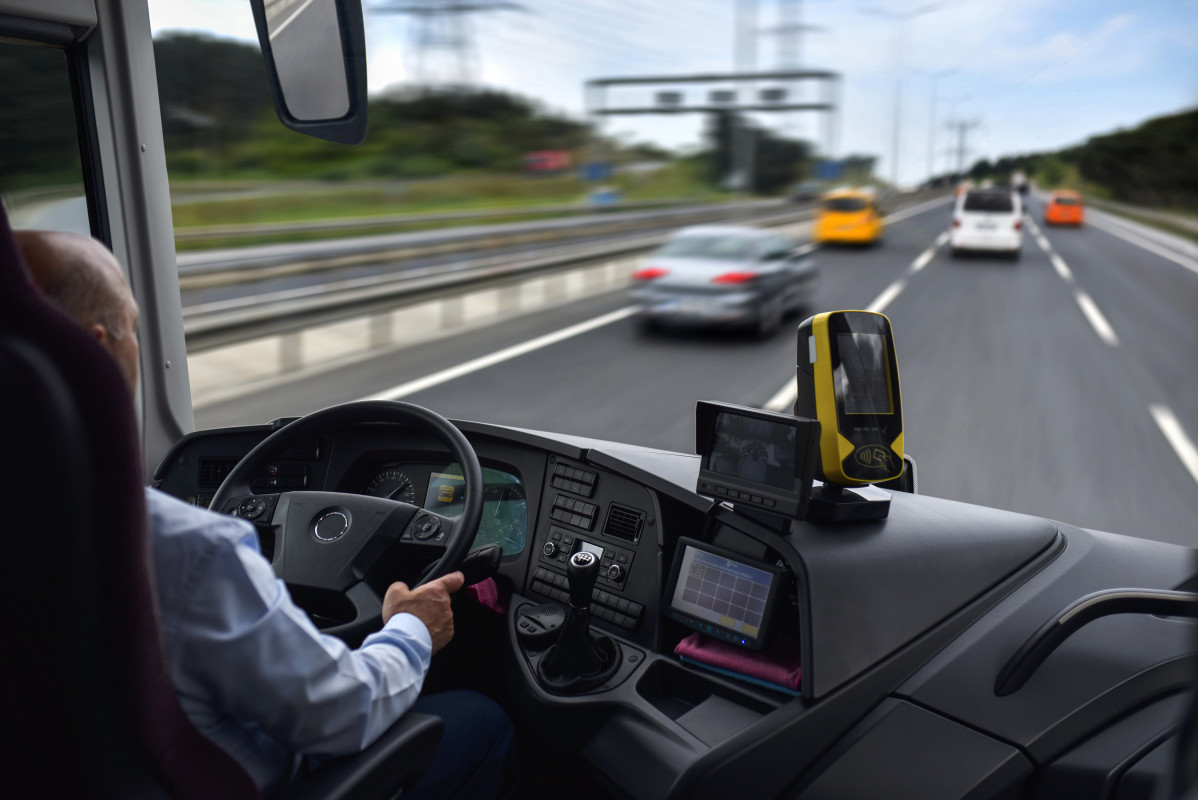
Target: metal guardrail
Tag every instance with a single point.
(234, 231)
(226, 323)
(246, 265)
(231, 322)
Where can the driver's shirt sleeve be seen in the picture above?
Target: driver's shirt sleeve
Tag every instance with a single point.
(251, 670)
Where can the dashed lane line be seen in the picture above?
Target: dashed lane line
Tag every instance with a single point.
(490, 360)
(1061, 267)
(924, 258)
(1096, 319)
(1089, 308)
(1181, 443)
(785, 397)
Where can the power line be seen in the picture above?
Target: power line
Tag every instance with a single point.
(962, 127)
(441, 39)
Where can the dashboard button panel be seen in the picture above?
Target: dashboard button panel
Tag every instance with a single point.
(575, 480)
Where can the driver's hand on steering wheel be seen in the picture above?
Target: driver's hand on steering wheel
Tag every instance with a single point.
(429, 603)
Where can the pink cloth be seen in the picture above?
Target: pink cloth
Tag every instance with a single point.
(487, 593)
(778, 665)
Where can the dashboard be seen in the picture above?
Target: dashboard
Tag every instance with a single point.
(438, 487)
(899, 625)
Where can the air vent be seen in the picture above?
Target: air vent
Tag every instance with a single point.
(624, 523)
(213, 471)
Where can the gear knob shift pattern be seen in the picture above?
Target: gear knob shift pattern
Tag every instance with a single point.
(582, 571)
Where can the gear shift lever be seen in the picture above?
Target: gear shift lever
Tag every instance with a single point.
(581, 572)
(579, 660)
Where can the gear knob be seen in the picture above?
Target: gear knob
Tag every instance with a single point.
(582, 571)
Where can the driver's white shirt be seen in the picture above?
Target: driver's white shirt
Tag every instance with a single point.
(251, 670)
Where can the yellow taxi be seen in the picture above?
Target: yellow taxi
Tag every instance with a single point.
(848, 216)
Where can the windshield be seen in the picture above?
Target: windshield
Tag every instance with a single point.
(989, 201)
(845, 204)
(475, 253)
(718, 248)
(1066, 201)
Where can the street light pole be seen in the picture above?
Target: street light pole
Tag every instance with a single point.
(901, 20)
(936, 76)
(746, 61)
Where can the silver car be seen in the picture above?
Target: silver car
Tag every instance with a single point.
(726, 276)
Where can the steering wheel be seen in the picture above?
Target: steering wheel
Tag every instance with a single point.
(330, 540)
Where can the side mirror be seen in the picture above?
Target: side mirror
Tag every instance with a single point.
(315, 55)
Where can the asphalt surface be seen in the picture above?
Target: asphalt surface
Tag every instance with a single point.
(1012, 396)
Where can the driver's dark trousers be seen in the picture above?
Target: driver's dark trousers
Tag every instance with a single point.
(477, 756)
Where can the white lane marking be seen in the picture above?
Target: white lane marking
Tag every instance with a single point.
(803, 250)
(1164, 252)
(289, 20)
(784, 399)
(1061, 267)
(924, 257)
(1176, 435)
(446, 375)
(888, 294)
(913, 210)
(1058, 263)
(1097, 320)
(942, 239)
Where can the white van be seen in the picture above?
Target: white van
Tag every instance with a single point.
(990, 220)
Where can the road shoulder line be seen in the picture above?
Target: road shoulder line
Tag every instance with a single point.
(1117, 228)
(491, 359)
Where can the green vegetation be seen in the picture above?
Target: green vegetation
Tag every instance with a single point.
(254, 203)
(1154, 164)
(37, 117)
(219, 123)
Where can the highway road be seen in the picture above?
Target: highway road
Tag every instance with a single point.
(1062, 386)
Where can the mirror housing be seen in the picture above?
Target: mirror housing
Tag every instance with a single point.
(315, 56)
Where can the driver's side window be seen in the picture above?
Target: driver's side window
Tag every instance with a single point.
(41, 169)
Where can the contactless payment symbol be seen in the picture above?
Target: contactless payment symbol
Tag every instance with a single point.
(874, 457)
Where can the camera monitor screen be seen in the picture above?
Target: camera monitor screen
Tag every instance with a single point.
(722, 594)
(756, 458)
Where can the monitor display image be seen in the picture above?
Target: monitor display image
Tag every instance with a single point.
(722, 591)
(754, 450)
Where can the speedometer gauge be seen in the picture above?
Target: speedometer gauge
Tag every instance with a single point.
(393, 485)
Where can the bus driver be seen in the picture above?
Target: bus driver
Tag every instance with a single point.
(234, 609)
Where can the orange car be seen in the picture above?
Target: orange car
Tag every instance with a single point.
(1064, 208)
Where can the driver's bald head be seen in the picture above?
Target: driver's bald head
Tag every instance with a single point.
(82, 278)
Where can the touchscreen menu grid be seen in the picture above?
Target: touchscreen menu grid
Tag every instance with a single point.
(726, 592)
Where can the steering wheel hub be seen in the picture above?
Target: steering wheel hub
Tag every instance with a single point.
(331, 526)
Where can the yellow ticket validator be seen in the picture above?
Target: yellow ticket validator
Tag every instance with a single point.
(848, 380)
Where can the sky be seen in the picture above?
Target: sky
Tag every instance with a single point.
(1027, 76)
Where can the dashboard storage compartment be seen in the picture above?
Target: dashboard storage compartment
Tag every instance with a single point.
(707, 709)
